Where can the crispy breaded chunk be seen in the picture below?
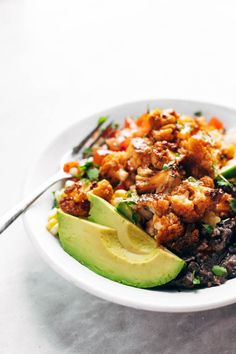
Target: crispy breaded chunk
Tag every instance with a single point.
(76, 202)
(104, 190)
(112, 165)
(138, 153)
(162, 153)
(162, 182)
(199, 157)
(165, 228)
(190, 200)
(223, 208)
(155, 203)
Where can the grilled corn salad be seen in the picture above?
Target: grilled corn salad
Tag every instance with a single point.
(172, 175)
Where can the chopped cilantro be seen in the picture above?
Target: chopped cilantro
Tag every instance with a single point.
(233, 205)
(208, 228)
(198, 114)
(126, 210)
(102, 120)
(167, 166)
(221, 181)
(219, 271)
(93, 173)
(177, 154)
(86, 166)
(196, 280)
(55, 202)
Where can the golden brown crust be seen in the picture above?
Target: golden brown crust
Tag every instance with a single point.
(104, 190)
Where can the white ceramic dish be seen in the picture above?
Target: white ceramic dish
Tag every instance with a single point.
(70, 269)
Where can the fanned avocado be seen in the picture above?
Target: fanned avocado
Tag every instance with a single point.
(99, 248)
(130, 236)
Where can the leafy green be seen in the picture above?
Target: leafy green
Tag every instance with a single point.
(208, 228)
(125, 209)
(198, 114)
(55, 202)
(233, 205)
(167, 166)
(196, 280)
(93, 173)
(86, 166)
(219, 271)
(221, 181)
(102, 120)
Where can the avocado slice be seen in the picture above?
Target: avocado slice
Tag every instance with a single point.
(130, 236)
(99, 248)
(229, 170)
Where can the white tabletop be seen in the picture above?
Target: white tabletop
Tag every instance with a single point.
(59, 61)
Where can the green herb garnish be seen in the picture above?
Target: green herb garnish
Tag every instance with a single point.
(93, 173)
(221, 181)
(177, 154)
(167, 166)
(102, 120)
(55, 202)
(219, 271)
(86, 166)
(208, 228)
(126, 210)
(233, 205)
(198, 114)
(196, 280)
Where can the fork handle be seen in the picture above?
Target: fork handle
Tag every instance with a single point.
(12, 214)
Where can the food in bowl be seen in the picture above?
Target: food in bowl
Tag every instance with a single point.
(153, 203)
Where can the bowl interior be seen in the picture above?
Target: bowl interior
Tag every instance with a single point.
(36, 217)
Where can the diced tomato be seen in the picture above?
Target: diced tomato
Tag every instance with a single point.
(215, 123)
(144, 124)
(110, 132)
(113, 144)
(125, 143)
(142, 118)
(99, 154)
(130, 123)
(69, 165)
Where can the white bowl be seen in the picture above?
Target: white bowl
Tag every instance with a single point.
(49, 247)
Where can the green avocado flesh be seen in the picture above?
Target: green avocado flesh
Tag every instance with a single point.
(229, 171)
(130, 236)
(98, 247)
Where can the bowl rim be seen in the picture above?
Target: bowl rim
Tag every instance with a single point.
(101, 292)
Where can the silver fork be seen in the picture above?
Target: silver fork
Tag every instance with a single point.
(11, 215)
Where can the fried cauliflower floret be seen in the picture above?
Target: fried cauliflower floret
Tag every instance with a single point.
(161, 154)
(138, 153)
(190, 201)
(199, 157)
(223, 208)
(162, 182)
(104, 190)
(75, 201)
(112, 167)
(153, 203)
(168, 133)
(165, 228)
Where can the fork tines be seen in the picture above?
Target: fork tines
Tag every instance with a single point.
(76, 149)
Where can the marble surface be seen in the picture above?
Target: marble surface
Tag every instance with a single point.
(61, 60)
